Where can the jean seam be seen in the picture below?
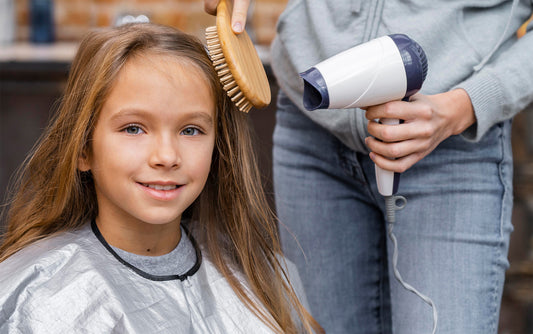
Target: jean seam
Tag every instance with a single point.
(502, 179)
(501, 243)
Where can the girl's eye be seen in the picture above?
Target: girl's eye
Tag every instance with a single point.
(133, 130)
(191, 132)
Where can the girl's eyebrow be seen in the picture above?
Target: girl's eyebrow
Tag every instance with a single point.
(206, 117)
(192, 115)
(128, 112)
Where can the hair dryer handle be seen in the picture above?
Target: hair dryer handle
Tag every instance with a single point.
(388, 181)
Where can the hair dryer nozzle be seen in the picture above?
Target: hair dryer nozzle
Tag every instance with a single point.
(315, 90)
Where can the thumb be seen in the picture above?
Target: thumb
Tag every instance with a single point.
(238, 17)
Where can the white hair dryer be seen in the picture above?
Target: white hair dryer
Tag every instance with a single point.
(384, 69)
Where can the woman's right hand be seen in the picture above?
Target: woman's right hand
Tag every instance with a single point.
(238, 17)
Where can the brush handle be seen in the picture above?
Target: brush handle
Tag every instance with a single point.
(242, 59)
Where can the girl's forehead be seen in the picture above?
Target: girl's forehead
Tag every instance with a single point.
(164, 60)
(172, 66)
(158, 83)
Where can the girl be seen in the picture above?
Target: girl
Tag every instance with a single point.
(96, 239)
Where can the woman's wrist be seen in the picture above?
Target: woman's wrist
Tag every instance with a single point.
(459, 108)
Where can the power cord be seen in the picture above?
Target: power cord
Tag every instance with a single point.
(391, 207)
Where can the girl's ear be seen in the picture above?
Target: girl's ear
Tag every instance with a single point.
(83, 162)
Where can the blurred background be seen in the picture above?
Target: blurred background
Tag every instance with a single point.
(38, 39)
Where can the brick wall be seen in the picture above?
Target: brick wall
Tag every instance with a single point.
(74, 17)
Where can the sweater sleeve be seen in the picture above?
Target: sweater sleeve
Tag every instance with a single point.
(503, 87)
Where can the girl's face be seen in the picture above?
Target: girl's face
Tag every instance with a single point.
(153, 142)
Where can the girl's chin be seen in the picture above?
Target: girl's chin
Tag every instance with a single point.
(162, 221)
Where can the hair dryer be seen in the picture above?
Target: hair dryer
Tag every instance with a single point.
(384, 69)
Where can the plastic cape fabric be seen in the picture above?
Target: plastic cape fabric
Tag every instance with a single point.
(71, 283)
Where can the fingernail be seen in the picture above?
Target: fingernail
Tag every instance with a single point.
(237, 27)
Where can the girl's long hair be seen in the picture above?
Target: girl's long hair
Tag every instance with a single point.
(231, 218)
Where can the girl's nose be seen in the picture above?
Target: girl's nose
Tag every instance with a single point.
(165, 153)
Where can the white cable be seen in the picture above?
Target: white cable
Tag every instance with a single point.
(407, 286)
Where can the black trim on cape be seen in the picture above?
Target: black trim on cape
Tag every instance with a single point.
(144, 274)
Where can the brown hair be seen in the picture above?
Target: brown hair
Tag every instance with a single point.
(231, 218)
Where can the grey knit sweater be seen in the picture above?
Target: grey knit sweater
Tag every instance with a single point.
(469, 44)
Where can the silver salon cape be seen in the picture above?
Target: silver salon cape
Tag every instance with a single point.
(72, 283)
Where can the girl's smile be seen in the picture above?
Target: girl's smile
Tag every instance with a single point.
(163, 191)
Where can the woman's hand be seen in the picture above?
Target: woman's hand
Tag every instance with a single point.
(238, 17)
(428, 120)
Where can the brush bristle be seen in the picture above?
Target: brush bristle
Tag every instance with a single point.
(224, 73)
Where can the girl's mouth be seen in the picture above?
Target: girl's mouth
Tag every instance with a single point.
(161, 187)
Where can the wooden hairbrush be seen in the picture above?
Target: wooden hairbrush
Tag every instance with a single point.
(237, 63)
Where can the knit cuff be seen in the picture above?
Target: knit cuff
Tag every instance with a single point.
(486, 95)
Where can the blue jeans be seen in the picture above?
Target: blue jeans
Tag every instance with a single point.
(453, 235)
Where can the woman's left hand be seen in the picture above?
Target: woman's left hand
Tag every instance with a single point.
(428, 120)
